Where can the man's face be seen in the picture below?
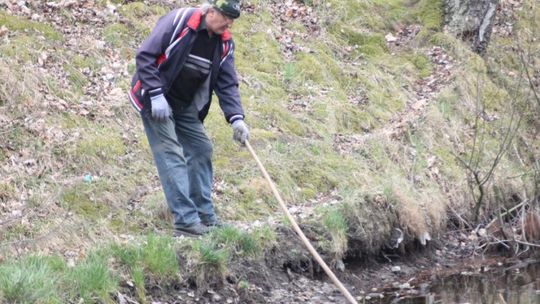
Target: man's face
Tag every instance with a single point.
(216, 22)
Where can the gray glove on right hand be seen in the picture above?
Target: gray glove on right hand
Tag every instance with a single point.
(240, 131)
(160, 108)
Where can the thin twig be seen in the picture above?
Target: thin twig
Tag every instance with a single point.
(459, 217)
(527, 243)
(505, 213)
(502, 299)
(522, 220)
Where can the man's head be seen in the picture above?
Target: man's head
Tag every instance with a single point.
(229, 8)
(221, 15)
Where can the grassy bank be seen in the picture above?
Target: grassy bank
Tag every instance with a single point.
(361, 134)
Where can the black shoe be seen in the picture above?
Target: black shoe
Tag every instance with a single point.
(214, 224)
(193, 230)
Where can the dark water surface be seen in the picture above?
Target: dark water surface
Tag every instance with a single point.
(512, 284)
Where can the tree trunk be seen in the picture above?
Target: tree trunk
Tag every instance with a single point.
(471, 20)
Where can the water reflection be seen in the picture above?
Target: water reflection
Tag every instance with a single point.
(517, 284)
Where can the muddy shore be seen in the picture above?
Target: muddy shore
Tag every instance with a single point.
(287, 274)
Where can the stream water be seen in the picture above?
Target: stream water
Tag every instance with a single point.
(512, 284)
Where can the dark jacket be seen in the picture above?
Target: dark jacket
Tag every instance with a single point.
(162, 55)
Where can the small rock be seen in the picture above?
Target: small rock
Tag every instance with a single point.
(405, 286)
(424, 238)
(375, 295)
(340, 265)
(70, 263)
(121, 298)
(482, 232)
(396, 269)
(390, 38)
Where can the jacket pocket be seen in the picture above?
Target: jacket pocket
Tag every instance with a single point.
(135, 95)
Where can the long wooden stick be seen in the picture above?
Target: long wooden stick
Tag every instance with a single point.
(312, 250)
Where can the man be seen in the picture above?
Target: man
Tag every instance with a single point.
(188, 55)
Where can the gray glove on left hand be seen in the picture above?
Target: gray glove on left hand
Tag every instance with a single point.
(240, 131)
(160, 108)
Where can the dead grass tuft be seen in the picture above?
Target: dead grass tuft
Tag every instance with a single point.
(411, 211)
(18, 89)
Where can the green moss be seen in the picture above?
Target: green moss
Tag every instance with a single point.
(315, 176)
(69, 121)
(258, 52)
(7, 192)
(430, 14)
(284, 119)
(15, 23)
(446, 105)
(138, 10)
(19, 138)
(23, 48)
(383, 103)
(357, 12)
(318, 67)
(134, 10)
(422, 64)
(18, 232)
(117, 34)
(102, 144)
(81, 62)
(399, 13)
(126, 223)
(141, 19)
(352, 119)
(367, 43)
(3, 155)
(494, 98)
(81, 199)
(297, 27)
(383, 15)
(248, 201)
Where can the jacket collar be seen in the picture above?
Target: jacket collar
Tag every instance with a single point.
(195, 20)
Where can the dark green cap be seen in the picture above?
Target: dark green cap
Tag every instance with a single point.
(229, 8)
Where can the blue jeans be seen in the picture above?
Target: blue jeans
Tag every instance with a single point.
(183, 156)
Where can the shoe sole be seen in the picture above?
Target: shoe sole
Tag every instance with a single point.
(178, 233)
